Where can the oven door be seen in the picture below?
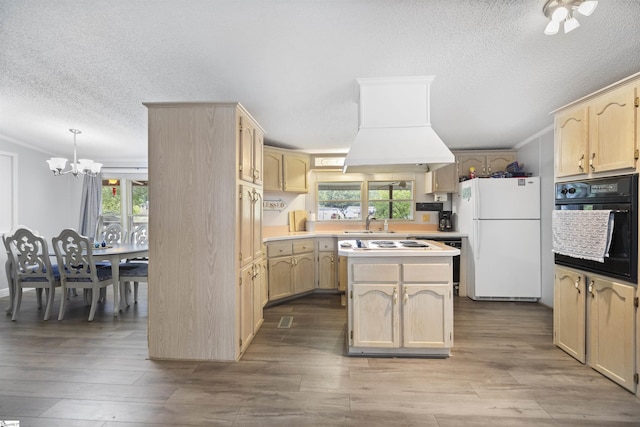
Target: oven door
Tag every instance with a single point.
(623, 253)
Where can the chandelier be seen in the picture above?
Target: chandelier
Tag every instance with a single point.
(82, 166)
(559, 11)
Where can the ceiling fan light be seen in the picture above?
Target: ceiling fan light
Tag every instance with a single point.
(552, 28)
(571, 24)
(586, 8)
(559, 14)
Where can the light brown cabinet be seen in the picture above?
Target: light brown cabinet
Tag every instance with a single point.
(598, 135)
(327, 263)
(594, 321)
(285, 170)
(484, 162)
(442, 180)
(569, 315)
(206, 233)
(251, 140)
(291, 268)
(398, 306)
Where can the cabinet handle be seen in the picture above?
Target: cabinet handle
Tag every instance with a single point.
(395, 295)
(331, 259)
(406, 296)
(591, 290)
(577, 284)
(593, 156)
(580, 163)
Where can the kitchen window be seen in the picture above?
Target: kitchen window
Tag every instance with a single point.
(390, 199)
(339, 200)
(384, 200)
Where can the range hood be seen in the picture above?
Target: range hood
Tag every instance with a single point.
(394, 132)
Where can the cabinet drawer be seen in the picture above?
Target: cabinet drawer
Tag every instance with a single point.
(427, 273)
(376, 273)
(326, 244)
(279, 249)
(302, 246)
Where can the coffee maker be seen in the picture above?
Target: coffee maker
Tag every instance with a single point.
(445, 221)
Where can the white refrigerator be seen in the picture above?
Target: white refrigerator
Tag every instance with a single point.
(501, 217)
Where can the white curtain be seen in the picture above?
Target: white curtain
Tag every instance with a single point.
(90, 205)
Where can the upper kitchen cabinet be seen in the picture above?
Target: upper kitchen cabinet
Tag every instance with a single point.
(442, 180)
(484, 162)
(251, 139)
(285, 170)
(572, 145)
(597, 134)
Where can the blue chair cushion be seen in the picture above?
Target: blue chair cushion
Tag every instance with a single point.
(103, 274)
(54, 270)
(141, 270)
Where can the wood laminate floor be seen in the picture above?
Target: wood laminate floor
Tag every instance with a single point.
(504, 371)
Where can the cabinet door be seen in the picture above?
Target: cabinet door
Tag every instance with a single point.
(427, 315)
(572, 142)
(466, 161)
(612, 331)
(375, 316)
(259, 280)
(612, 131)
(569, 309)
(246, 149)
(246, 306)
(264, 282)
(280, 284)
(326, 270)
(304, 273)
(442, 180)
(258, 144)
(272, 170)
(499, 162)
(296, 173)
(256, 207)
(246, 205)
(343, 273)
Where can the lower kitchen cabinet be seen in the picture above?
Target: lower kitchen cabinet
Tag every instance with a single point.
(595, 322)
(611, 316)
(327, 264)
(250, 286)
(291, 268)
(569, 315)
(408, 311)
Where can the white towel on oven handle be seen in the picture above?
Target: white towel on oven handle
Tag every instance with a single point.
(582, 234)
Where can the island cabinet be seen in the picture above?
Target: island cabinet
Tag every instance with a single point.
(206, 251)
(286, 170)
(597, 136)
(400, 306)
(291, 266)
(594, 321)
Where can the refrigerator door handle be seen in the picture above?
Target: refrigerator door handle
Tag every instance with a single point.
(476, 239)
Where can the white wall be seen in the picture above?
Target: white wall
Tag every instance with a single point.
(45, 203)
(537, 156)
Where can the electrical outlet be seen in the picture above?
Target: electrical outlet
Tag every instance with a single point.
(426, 218)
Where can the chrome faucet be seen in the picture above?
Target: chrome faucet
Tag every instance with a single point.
(368, 221)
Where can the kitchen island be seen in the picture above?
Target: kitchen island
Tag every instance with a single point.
(400, 297)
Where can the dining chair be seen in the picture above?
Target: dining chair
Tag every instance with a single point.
(32, 268)
(78, 268)
(136, 269)
(110, 234)
(8, 266)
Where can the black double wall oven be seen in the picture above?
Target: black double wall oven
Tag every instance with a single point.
(620, 195)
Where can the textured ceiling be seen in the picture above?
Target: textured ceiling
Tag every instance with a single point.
(293, 63)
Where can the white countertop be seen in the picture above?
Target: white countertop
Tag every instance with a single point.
(376, 235)
(348, 247)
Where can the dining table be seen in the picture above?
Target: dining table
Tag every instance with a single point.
(115, 253)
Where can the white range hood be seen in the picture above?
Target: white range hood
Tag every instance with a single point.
(395, 133)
